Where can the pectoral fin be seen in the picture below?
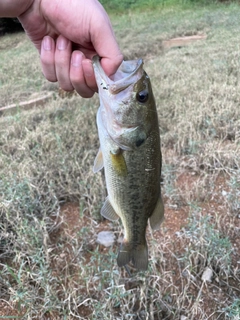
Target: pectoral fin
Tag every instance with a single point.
(118, 162)
(158, 215)
(108, 212)
(98, 162)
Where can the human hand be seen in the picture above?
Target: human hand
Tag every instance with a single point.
(68, 33)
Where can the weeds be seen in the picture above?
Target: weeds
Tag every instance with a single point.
(233, 311)
(120, 7)
(233, 196)
(207, 248)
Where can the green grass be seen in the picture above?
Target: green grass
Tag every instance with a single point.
(121, 7)
(23, 79)
(51, 266)
(233, 311)
(208, 247)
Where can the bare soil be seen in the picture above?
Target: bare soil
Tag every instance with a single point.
(182, 41)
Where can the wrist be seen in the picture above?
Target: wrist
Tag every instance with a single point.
(14, 8)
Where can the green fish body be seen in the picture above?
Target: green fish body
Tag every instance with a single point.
(131, 156)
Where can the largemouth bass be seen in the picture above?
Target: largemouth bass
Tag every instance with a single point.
(131, 156)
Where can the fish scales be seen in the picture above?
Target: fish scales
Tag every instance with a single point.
(131, 156)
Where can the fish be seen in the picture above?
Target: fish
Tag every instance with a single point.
(130, 153)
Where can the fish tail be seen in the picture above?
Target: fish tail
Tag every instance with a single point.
(137, 254)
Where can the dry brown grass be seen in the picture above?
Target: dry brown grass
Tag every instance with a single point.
(50, 264)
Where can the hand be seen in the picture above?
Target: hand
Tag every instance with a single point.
(68, 33)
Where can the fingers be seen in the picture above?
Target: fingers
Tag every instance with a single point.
(81, 75)
(55, 60)
(62, 63)
(47, 56)
(71, 69)
(89, 74)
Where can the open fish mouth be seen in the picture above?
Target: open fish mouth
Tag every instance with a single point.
(123, 78)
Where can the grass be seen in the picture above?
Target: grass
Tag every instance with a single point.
(22, 80)
(233, 311)
(121, 7)
(50, 264)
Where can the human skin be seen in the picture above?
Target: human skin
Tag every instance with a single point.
(67, 34)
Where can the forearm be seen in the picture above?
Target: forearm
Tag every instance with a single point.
(14, 8)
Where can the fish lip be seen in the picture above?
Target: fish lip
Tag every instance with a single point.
(117, 86)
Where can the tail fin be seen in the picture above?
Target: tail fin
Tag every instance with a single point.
(138, 255)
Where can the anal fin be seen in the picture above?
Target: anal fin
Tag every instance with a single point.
(108, 212)
(157, 216)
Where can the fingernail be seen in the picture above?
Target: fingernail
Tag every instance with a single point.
(62, 43)
(47, 44)
(76, 59)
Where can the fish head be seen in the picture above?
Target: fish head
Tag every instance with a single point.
(126, 103)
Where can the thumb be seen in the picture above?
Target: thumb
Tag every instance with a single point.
(106, 46)
(110, 64)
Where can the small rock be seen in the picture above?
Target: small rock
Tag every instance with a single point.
(96, 278)
(207, 275)
(224, 193)
(106, 238)
(183, 318)
(120, 239)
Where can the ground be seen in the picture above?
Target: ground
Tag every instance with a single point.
(176, 220)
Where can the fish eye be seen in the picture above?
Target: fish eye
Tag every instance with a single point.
(139, 142)
(142, 96)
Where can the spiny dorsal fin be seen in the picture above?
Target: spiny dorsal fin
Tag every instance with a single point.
(98, 162)
(158, 215)
(108, 212)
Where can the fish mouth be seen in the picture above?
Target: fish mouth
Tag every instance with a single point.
(123, 78)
